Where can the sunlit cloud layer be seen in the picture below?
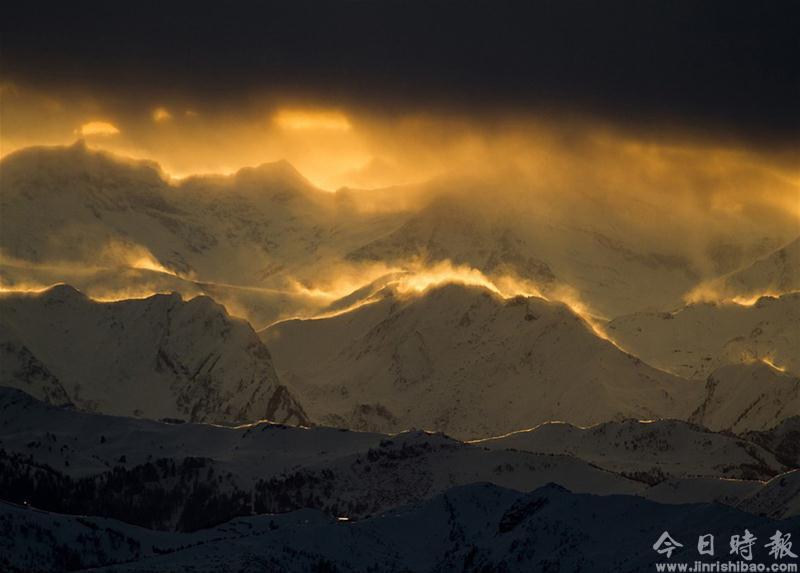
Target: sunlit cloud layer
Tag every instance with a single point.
(336, 147)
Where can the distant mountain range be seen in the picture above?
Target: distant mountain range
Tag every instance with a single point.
(263, 240)
(455, 358)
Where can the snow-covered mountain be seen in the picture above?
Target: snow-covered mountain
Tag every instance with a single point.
(159, 357)
(649, 451)
(454, 231)
(92, 219)
(218, 228)
(748, 397)
(463, 360)
(699, 338)
(558, 256)
(248, 239)
(479, 527)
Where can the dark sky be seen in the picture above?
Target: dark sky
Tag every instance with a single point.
(728, 66)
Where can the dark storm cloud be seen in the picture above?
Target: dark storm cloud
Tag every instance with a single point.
(730, 66)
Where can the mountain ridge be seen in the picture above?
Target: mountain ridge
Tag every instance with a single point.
(400, 348)
(157, 357)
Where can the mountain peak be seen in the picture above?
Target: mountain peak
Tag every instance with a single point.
(167, 358)
(274, 172)
(40, 163)
(63, 292)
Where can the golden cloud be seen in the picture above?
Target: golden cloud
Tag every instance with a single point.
(161, 114)
(98, 128)
(311, 119)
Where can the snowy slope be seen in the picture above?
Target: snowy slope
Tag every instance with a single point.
(465, 361)
(454, 231)
(699, 338)
(474, 528)
(779, 498)
(610, 274)
(34, 541)
(776, 273)
(703, 490)
(650, 451)
(20, 368)
(748, 397)
(156, 357)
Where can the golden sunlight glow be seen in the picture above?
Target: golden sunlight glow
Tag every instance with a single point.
(161, 114)
(752, 300)
(768, 361)
(130, 293)
(301, 119)
(148, 263)
(715, 293)
(106, 295)
(22, 288)
(98, 128)
(132, 256)
(445, 273)
(345, 146)
(415, 277)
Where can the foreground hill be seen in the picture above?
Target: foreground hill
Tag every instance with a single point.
(198, 475)
(783, 439)
(159, 357)
(651, 451)
(186, 477)
(699, 338)
(479, 527)
(463, 360)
